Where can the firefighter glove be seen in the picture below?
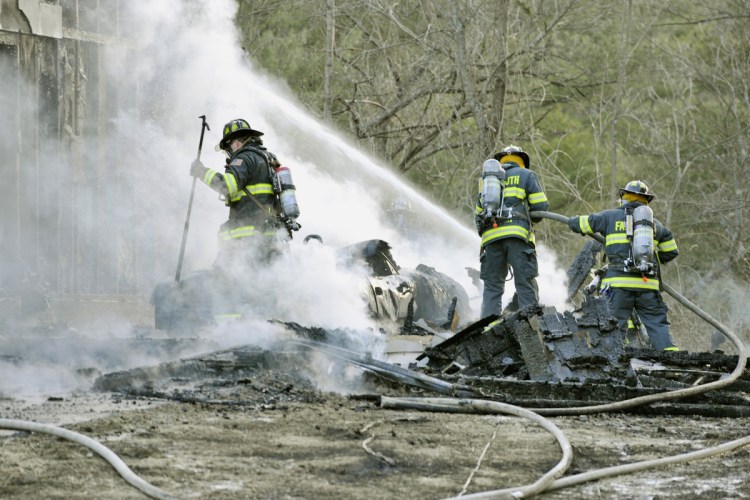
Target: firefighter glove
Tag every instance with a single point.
(197, 169)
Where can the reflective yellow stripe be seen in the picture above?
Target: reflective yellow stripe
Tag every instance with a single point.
(631, 282)
(227, 316)
(505, 231)
(616, 238)
(477, 210)
(583, 224)
(537, 198)
(239, 232)
(667, 246)
(231, 182)
(493, 324)
(254, 190)
(514, 192)
(671, 349)
(259, 189)
(209, 176)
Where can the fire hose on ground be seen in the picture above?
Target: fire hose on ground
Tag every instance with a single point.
(131, 477)
(547, 482)
(680, 393)
(493, 407)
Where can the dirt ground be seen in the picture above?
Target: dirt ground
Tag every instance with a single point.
(275, 434)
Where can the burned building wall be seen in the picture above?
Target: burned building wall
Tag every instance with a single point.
(63, 173)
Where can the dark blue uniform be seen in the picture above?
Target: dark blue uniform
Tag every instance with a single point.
(511, 243)
(629, 290)
(253, 221)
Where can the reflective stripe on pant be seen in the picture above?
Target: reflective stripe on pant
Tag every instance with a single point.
(497, 256)
(651, 310)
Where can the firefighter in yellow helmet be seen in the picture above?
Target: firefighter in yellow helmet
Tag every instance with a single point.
(257, 226)
(506, 230)
(632, 278)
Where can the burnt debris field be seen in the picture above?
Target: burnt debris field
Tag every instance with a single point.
(538, 402)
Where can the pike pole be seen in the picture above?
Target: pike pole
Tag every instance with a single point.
(204, 127)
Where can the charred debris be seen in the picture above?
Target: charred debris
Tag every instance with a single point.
(537, 357)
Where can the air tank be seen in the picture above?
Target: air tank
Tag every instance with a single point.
(493, 182)
(288, 196)
(643, 238)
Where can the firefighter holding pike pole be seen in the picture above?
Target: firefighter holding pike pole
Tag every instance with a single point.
(260, 195)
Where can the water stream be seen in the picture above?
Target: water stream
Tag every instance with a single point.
(187, 62)
(344, 192)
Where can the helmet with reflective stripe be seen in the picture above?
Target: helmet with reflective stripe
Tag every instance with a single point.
(237, 128)
(513, 151)
(637, 187)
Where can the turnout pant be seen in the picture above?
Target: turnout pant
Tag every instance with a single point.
(495, 260)
(650, 308)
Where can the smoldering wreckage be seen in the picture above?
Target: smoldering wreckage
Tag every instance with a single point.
(530, 363)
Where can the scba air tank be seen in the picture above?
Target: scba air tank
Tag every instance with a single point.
(643, 238)
(493, 182)
(287, 196)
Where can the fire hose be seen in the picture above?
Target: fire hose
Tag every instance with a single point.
(483, 406)
(547, 482)
(127, 474)
(666, 396)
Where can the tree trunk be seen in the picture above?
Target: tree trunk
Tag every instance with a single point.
(330, 44)
(622, 62)
(500, 75)
(466, 77)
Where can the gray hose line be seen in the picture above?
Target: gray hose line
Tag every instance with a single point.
(647, 464)
(444, 404)
(107, 454)
(434, 405)
(450, 405)
(664, 396)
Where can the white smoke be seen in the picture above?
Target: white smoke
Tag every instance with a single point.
(344, 194)
(187, 62)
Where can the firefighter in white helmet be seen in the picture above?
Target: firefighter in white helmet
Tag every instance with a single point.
(632, 278)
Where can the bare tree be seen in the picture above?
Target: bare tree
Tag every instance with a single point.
(330, 46)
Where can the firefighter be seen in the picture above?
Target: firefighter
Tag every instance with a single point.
(628, 286)
(256, 229)
(400, 213)
(507, 235)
